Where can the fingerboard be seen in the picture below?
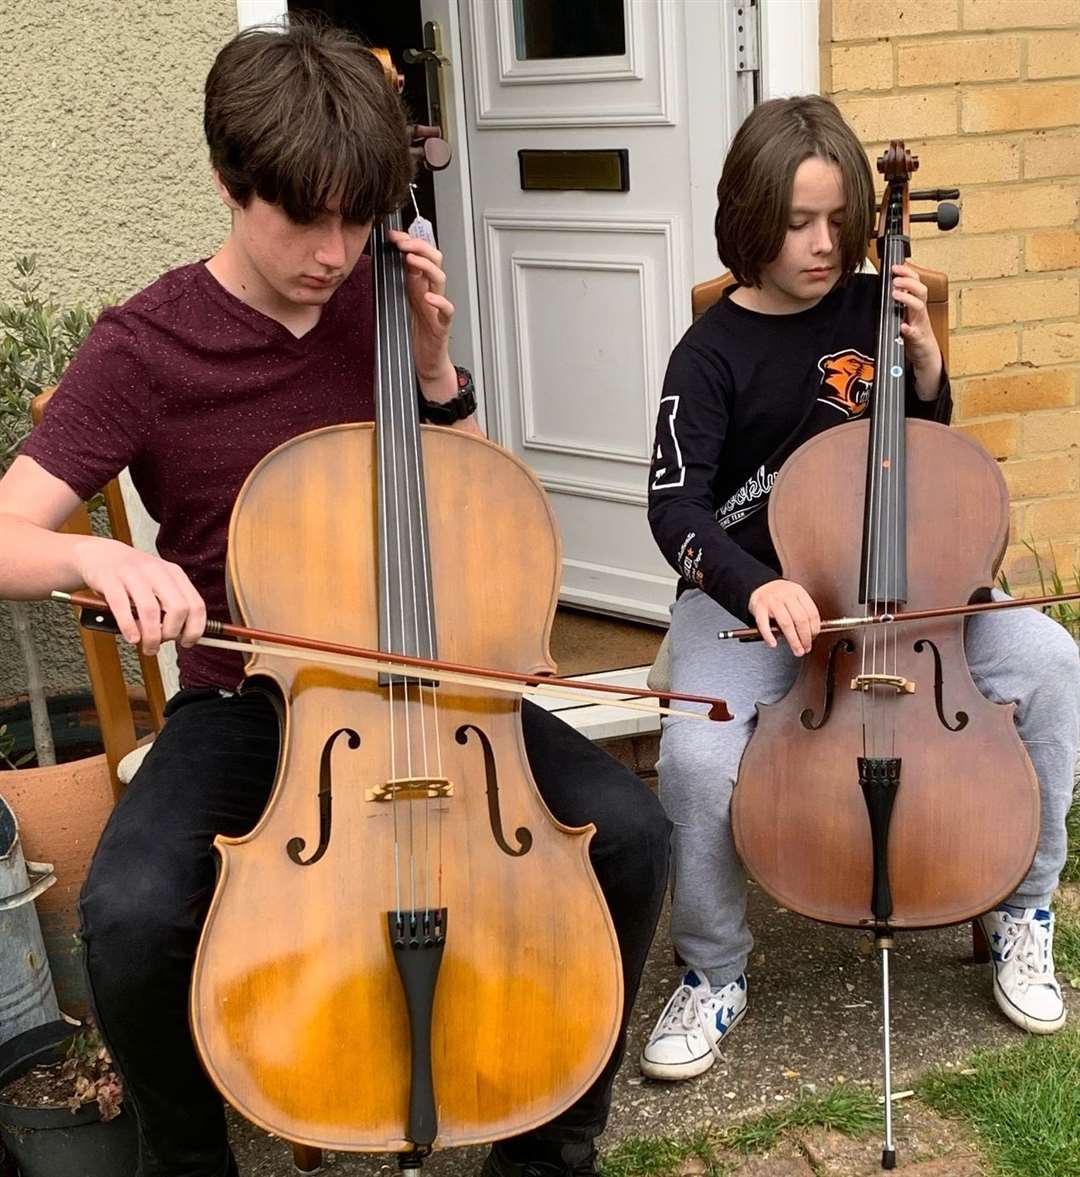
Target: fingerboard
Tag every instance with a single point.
(884, 557)
(406, 604)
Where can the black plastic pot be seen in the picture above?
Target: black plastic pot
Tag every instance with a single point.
(48, 1142)
(74, 722)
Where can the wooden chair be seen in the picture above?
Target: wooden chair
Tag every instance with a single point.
(111, 698)
(705, 294)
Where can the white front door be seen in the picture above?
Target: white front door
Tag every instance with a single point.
(582, 294)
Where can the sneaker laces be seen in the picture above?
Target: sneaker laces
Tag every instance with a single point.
(687, 1012)
(1029, 942)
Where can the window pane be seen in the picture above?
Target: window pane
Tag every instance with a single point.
(569, 28)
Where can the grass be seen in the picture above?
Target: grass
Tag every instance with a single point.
(846, 1108)
(649, 1156)
(1067, 931)
(1050, 582)
(1024, 1103)
(1067, 948)
(1071, 872)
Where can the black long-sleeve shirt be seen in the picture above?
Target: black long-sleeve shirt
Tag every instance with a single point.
(743, 390)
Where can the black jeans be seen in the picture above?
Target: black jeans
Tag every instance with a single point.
(210, 772)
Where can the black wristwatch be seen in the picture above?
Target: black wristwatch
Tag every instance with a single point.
(457, 408)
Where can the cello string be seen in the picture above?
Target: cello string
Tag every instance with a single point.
(382, 458)
(392, 263)
(887, 441)
(397, 459)
(896, 473)
(877, 411)
(891, 354)
(425, 564)
(883, 472)
(866, 640)
(401, 376)
(873, 577)
(875, 505)
(418, 575)
(402, 369)
(885, 538)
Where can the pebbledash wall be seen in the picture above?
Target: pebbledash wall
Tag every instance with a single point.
(105, 172)
(105, 177)
(987, 94)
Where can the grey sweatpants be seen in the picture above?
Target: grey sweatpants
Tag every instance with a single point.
(1016, 656)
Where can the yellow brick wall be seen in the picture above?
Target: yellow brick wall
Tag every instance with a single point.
(987, 94)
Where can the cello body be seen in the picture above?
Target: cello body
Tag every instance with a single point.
(298, 1008)
(800, 820)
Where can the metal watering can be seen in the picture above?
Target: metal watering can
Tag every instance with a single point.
(27, 997)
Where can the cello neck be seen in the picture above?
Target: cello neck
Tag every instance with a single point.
(406, 609)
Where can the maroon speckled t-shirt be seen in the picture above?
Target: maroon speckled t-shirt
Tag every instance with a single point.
(191, 387)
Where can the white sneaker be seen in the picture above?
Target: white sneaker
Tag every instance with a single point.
(686, 1040)
(1022, 948)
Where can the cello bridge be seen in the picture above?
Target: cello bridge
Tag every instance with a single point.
(411, 788)
(889, 682)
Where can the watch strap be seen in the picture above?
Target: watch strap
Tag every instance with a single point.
(457, 408)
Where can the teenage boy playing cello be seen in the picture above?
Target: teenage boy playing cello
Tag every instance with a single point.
(789, 351)
(190, 384)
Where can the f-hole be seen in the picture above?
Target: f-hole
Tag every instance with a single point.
(843, 646)
(295, 846)
(524, 837)
(961, 716)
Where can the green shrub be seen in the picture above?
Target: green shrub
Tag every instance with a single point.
(37, 340)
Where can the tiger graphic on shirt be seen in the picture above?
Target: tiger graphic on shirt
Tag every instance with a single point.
(847, 380)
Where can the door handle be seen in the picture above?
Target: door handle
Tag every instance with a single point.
(433, 59)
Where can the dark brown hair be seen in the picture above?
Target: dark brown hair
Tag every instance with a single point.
(303, 116)
(754, 193)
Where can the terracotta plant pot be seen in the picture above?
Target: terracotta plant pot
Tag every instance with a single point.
(62, 810)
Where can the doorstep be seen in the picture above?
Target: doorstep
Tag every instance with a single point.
(616, 651)
(633, 739)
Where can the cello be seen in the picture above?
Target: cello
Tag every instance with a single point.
(869, 795)
(391, 952)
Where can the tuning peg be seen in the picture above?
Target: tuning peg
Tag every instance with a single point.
(935, 194)
(945, 216)
(948, 216)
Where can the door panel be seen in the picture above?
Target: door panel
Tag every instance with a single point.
(632, 86)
